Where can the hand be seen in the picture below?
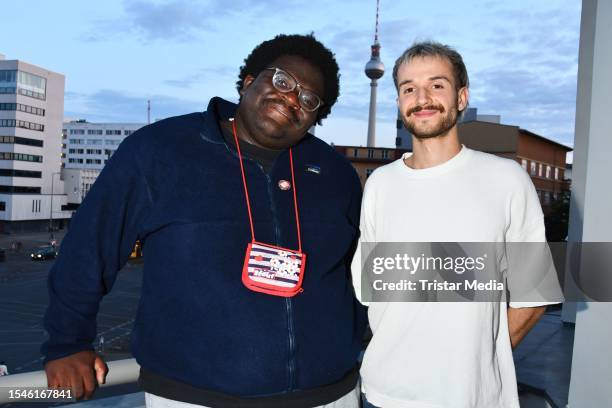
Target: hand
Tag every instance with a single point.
(81, 372)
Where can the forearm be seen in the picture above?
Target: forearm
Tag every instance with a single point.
(521, 321)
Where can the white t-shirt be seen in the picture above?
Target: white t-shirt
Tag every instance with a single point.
(445, 355)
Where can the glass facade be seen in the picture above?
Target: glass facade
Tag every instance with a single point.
(21, 140)
(21, 157)
(22, 108)
(31, 82)
(8, 76)
(24, 83)
(22, 124)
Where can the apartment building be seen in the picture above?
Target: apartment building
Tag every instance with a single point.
(367, 159)
(542, 158)
(31, 112)
(88, 145)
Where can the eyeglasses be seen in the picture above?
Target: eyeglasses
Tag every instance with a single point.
(285, 82)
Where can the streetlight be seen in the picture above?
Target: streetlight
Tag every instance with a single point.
(51, 208)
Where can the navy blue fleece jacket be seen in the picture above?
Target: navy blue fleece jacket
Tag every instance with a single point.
(176, 186)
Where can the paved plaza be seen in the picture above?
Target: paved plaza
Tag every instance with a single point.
(23, 299)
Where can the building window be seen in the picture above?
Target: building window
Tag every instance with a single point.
(127, 132)
(94, 141)
(77, 131)
(355, 152)
(22, 108)
(385, 154)
(116, 142)
(370, 153)
(524, 164)
(8, 90)
(548, 169)
(31, 85)
(540, 166)
(36, 206)
(19, 190)
(20, 173)
(94, 131)
(546, 198)
(556, 173)
(113, 132)
(76, 141)
(21, 157)
(21, 140)
(368, 172)
(532, 168)
(21, 124)
(2, 206)
(31, 94)
(8, 75)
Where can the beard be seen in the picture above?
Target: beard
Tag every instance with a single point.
(441, 128)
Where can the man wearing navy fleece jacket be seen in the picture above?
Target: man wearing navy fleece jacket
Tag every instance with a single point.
(201, 336)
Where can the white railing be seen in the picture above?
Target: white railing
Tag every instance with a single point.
(119, 372)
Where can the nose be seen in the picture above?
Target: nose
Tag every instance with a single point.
(422, 96)
(291, 99)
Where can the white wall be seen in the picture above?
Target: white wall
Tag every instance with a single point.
(590, 219)
(73, 183)
(19, 207)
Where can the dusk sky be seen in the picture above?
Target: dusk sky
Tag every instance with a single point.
(522, 56)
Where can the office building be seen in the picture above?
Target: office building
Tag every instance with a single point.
(88, 146)
(31, 112)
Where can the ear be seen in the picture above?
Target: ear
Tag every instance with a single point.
(462, 98)
(248, 80)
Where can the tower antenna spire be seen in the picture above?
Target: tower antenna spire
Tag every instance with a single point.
(376, 30)
(374, 69)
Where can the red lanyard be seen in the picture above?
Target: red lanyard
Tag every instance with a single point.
(246, 190)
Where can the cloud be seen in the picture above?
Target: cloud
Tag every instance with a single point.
(531, 81)
(209, 74)
(541, 101)
(180, 20)
(352, 50)
(114, 106)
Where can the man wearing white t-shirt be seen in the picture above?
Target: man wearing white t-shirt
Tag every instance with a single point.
(445, 355)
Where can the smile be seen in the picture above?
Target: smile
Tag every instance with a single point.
(281, 109)
(425, 113)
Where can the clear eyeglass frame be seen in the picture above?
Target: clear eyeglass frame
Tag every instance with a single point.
(285, 82)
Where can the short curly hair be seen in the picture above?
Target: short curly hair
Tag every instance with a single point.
(305, 46)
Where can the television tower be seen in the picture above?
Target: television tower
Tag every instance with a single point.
(374, 69)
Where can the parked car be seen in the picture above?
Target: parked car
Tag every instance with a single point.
(42, 253)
